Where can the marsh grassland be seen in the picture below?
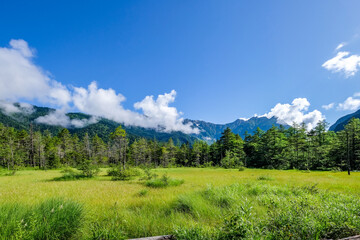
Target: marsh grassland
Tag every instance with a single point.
(205, 203)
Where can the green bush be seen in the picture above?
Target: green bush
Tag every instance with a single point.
(164, 181)
(69, 174)
(148, 175)
(119, 174)
(88, 169)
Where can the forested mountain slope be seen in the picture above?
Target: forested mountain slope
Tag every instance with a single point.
(209, 132)
(341, 122)
(102, 128)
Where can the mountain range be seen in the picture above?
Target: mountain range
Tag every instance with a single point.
(209, 132)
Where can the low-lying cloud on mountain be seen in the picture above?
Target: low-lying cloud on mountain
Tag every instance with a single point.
(9, 108)
(22, 80)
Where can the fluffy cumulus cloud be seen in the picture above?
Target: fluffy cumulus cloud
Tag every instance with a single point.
(21, 79)
(296, 112)
(155, 114)
(328, 106)
(343, 62)
(158, 112)
(351, 103)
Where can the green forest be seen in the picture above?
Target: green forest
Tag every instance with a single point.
(276, 148)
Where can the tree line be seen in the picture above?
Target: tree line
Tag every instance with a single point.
(276, 148)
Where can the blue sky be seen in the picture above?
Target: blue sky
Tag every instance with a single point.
(225, 59)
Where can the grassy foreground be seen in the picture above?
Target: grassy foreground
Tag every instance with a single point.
(210, 204)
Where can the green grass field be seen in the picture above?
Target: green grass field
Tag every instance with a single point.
(199, 206)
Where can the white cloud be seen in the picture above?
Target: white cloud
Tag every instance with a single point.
(103, 102)
(296, 112)
(328, 106)
(349, 104)
(357, 94)
(23, 47)
(59, 118)
(9, 108)
(341, 45)
(342, 62)
(21, 79)
(244, 119)
(157, 113)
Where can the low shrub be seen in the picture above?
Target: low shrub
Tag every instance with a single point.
(148, 175)
(69, 174)
(265, 178)
(242, 168)
(120, 174)
(164, 181)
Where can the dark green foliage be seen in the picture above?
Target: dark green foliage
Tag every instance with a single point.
(52, 219)
(276, 148)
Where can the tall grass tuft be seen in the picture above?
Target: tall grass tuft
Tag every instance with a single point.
(52, 219)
